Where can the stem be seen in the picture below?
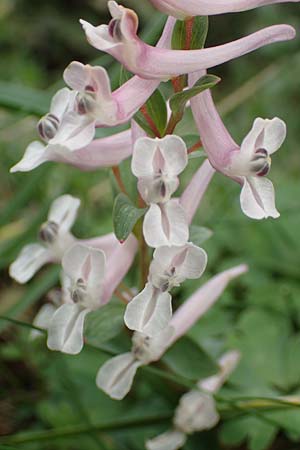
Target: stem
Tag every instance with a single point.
(195, 147)
(117, 175)
(151, 123)
(189, 23)
(120, 296)
(75, 430)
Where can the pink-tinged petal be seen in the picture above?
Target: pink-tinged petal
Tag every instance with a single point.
(174, 152)
(152, 62)
(106, 243)
(116, 376)
(143, 156)
(118, 264)
(80, 77)
(65, 332)
(258, 198)
(63, 211)
(274, 135)
(182, 9)
(87, 264)
(75, 131)
(43, 319)
(31, 258)
(149, 312)
(35, 154)
(192, 195)
(165, 225)
(201, 301)
(170, 440)
(217, 142)
(253, 140)
(228, 363)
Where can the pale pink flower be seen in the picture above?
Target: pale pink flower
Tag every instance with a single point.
(248, 164)
(119, 38)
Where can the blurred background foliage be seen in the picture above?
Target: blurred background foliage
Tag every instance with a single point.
(259, 313)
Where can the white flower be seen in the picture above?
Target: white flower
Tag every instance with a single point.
(63, 130)
(253, 162)
(151, 310)
(55, 236)
(173, 265)
(157, 163)
(115, 377)
(83, 277)
(170, 440)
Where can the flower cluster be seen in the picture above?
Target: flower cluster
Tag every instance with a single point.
(92, 269)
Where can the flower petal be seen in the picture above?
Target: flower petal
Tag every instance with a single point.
(274, 136)
(65, 332)
(116, 376)
(75, 131)
(165, 225)
(60, 102)
(170, 440)
(35, 155)
(258, 198)
(250, 142)
(149, 312)
(31, 258)
(43, 319)
(228, 363)
(63, 211)
(143, 156)
(174, 151)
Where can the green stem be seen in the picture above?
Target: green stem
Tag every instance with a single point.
(75, 430)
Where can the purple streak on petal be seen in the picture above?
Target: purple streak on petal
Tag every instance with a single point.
(186, 8)
(216, 140)
(195, 190)
(118, 265)
(203, 299)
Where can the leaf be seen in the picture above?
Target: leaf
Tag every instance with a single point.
(24, 98)
(188, 359)
(156, 111)
(198, 235)
(104, 324)
(178, 101)
(125, 216)
(199, 34)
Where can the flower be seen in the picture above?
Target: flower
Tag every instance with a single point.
(55, 236)
(157, 163)
(89, 280)
(119, 38)
(248, 164)
(196, 410)
(83, 278)
(103, 152)
(151, 310)
(189, 8)
(116, 376)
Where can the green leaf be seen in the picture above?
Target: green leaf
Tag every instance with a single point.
(24, 98)
(156, 110)
(125, 216)
(188, 359)
(104, 324)
(198, 235)
(179, 100)
(199, 34)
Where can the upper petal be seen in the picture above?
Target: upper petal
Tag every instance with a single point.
(174, 151)
(31, 258)
(149, 312)
(60, 102)
(65, 332)
(143, 156)
(258, 198)
(115, 377)
(63, 211)
(275, 134)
